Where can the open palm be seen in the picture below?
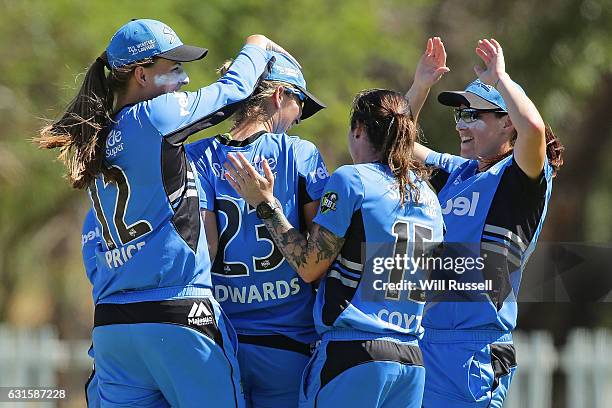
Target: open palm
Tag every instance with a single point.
(432, 64)
(492, 55)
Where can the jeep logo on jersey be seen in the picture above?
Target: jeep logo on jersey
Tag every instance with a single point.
(90, 236)
(199, 315)
(320, 173)
(462, 205)
(328, 202)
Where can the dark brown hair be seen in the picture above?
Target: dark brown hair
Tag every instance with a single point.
(387, 120)
(554, 148)
(81, 132)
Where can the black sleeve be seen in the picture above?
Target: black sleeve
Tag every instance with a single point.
(535, 188)
(510, 226)
(303, 199)
(438, 179)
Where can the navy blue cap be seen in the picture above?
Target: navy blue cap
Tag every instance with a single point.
(477, 95)
(285, 70)
(140, 39)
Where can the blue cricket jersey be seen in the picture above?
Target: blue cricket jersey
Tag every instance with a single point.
(361, 203)
(90, 239)
(258, 290)
(153, 242)
(496, 215)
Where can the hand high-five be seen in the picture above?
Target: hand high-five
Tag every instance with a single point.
(267, 44)
(492, 55)
(247, 182)
(432, 64)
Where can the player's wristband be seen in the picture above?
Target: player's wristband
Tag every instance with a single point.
(266, 209)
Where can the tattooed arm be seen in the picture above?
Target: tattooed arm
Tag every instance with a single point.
(310, 257)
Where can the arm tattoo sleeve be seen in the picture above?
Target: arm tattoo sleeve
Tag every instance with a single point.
(327, 244)
(321, 247)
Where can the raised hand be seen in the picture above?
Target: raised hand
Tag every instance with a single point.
(247, 182)
(269, 45)
(272, 46)
(432, 64)
(492, 55)
(429, 70)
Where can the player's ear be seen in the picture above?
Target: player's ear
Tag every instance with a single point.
(277, 97)
(359, 130)
(507, 124)
(140, 75)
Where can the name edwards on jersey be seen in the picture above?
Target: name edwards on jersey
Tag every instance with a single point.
(261, 292)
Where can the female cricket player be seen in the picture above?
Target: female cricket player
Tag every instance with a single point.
(160, 338)
(267, 303)
(494, 199)
(381, 199)
(368, 335)
(379, 205)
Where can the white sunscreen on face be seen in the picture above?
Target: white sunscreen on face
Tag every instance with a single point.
(171, 79)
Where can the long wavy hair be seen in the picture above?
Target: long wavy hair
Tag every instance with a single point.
(554, 149)
(80, 134)
(388, 123)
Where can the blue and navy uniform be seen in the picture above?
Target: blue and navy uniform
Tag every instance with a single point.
(268, 304)
(497, 215)
(369, 355)
(160, 338)
(90, 239)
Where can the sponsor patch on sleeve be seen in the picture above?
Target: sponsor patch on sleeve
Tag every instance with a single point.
(328, 202)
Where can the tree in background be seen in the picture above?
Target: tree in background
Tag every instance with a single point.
(560, 52)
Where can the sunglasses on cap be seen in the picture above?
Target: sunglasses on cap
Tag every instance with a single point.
(471, 115)
(299, 94)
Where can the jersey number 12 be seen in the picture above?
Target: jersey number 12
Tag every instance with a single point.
(125, 232)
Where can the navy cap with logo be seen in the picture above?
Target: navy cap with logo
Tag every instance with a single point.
(285, 70)
(140, 39)
(477, 95)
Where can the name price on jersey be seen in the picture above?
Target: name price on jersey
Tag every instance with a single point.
(27, 394)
